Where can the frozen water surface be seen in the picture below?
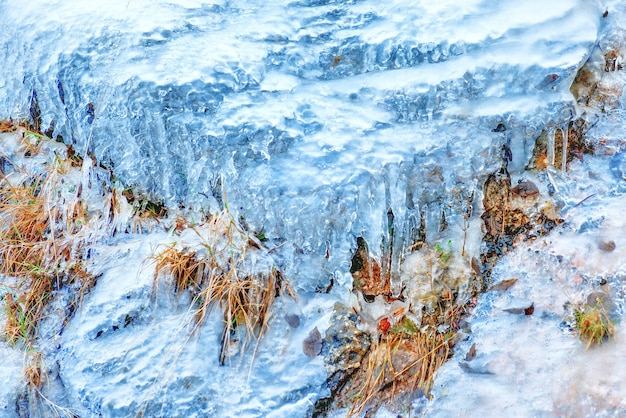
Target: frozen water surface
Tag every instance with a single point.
(315, 118)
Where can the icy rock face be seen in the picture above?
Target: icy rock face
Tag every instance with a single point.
(133, 350)
(11, 371)
(315, 117)
(311, 119)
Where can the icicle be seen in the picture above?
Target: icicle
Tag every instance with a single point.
(550, 133)
(564, 133)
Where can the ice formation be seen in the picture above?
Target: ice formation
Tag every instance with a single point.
(313, 120)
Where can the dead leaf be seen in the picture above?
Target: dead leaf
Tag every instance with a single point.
(527, 311)
(471, 354)
(525, 188)
(312, 345)
(478, 370)
(503, 285)
(530, 309)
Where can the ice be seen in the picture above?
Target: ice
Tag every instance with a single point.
(311, 120)
(564, 135)
(551, 146)
(12, 367)
(534, 365)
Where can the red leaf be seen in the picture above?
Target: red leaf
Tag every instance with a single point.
(384, 325)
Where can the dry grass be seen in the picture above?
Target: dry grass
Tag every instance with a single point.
(401, 364)
(24, 312)
(593, 324)
(405, 355)
(23, 253)
(216, 273)
(35, 376)
(39, 239)
(33, 370)
(23, 227)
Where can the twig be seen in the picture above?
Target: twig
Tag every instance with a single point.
(581, 202)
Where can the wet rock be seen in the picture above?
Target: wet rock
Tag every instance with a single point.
(496, 191)
(498, 216)
(344, 343)
(344, 348)
(499, 128)
(602, 300)
(577, 145)
(595, 84)
(508, 220)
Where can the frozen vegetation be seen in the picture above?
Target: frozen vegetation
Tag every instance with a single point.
(337, 176)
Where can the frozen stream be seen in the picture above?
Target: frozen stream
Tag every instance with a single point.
(311, 120)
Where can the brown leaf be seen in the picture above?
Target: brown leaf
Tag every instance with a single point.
(526, 311)
(471, 354)
(607, 246)
(525, 188)
(312, 345)
(292, 320)
(475, 264)
(366, 273)
(503, 285)
(530, 309)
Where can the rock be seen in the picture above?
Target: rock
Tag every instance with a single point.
(499, 128)
(496, 191)
(577, 145)
(602, 300)
(345, 346)
(498, 217)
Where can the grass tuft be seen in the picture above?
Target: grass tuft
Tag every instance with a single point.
(403, 362)
(218, 273)
(40, 241)
(593, 324)
(42, 237)
(33, 370)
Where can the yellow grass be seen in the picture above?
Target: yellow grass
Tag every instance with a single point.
(593, 324)
(399, 363)
(40, 240)
(215, 273)
(37, 241)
